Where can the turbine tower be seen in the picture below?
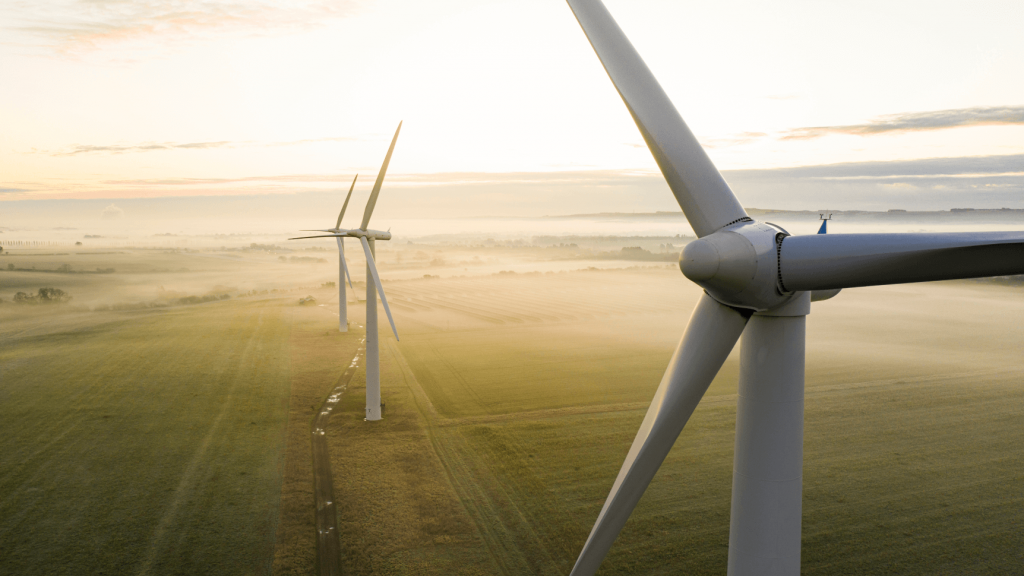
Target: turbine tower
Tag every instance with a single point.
(368, 238)
(758, 283)
(342, 267)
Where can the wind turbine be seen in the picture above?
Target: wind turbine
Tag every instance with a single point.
(342, 267)
(758, 282)
(368, 238)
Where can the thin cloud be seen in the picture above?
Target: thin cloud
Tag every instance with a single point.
(981, 166)
(919, 172)
(315, 140)
(164, 146)
(236, 180)
(76, 25)
(936, 182)
(89, 149)
(580, 177)
(733, 140)
(918, 121)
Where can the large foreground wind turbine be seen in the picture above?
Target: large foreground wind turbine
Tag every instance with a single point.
(759, 282)
(367, 238)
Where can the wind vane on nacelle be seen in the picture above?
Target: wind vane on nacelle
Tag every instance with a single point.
(824, 221)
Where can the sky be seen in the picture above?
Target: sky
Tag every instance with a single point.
(506, 109)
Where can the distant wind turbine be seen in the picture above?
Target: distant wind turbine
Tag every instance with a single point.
(342, 266)
(367, 238)
(758, 282)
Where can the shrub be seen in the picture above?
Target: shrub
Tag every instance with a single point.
(53, 295)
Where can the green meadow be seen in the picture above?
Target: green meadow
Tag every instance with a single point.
(144, 433)
(144, 442)
(528, 389)
(142, 436)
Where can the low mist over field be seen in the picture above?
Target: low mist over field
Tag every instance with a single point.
(136, 365)
(116, 262)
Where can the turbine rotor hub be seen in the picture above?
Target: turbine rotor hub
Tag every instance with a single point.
(738, 265)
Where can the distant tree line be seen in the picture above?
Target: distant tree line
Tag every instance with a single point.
(43, 296)
(62, 269)
(185, 301)
(308, 259)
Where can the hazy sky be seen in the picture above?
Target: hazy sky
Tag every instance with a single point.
(147, 98)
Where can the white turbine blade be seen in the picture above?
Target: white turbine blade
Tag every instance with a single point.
(347, 198)
(380, 180)
(702, 193)
(829, 261)
(710, 336)
(324, 236)
(376, 280)
(341, 252)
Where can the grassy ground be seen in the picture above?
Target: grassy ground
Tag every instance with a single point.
(319, 353)
(398, 512)
(145, 443)
(175, 440)
(532, 388)
(162, 440)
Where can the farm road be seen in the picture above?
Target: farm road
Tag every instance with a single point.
(327, 545)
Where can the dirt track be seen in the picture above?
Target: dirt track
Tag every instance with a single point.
(328, 549)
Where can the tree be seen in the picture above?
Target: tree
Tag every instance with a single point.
(53, 295)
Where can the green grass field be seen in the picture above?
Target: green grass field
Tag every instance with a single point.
(531, 388)
(175, 440)
(144, 443)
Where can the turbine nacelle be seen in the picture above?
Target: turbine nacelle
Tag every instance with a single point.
(738, 265)
(370, 234)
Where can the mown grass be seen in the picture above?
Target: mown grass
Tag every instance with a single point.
(163, 441)
(913, 423)
(398, 512)
(143, 443)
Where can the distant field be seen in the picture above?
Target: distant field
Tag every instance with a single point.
(530, 389)
(154, 274)
(173, 440)
(146, 443)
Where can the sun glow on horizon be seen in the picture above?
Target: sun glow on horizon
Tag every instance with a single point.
(282, 97)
